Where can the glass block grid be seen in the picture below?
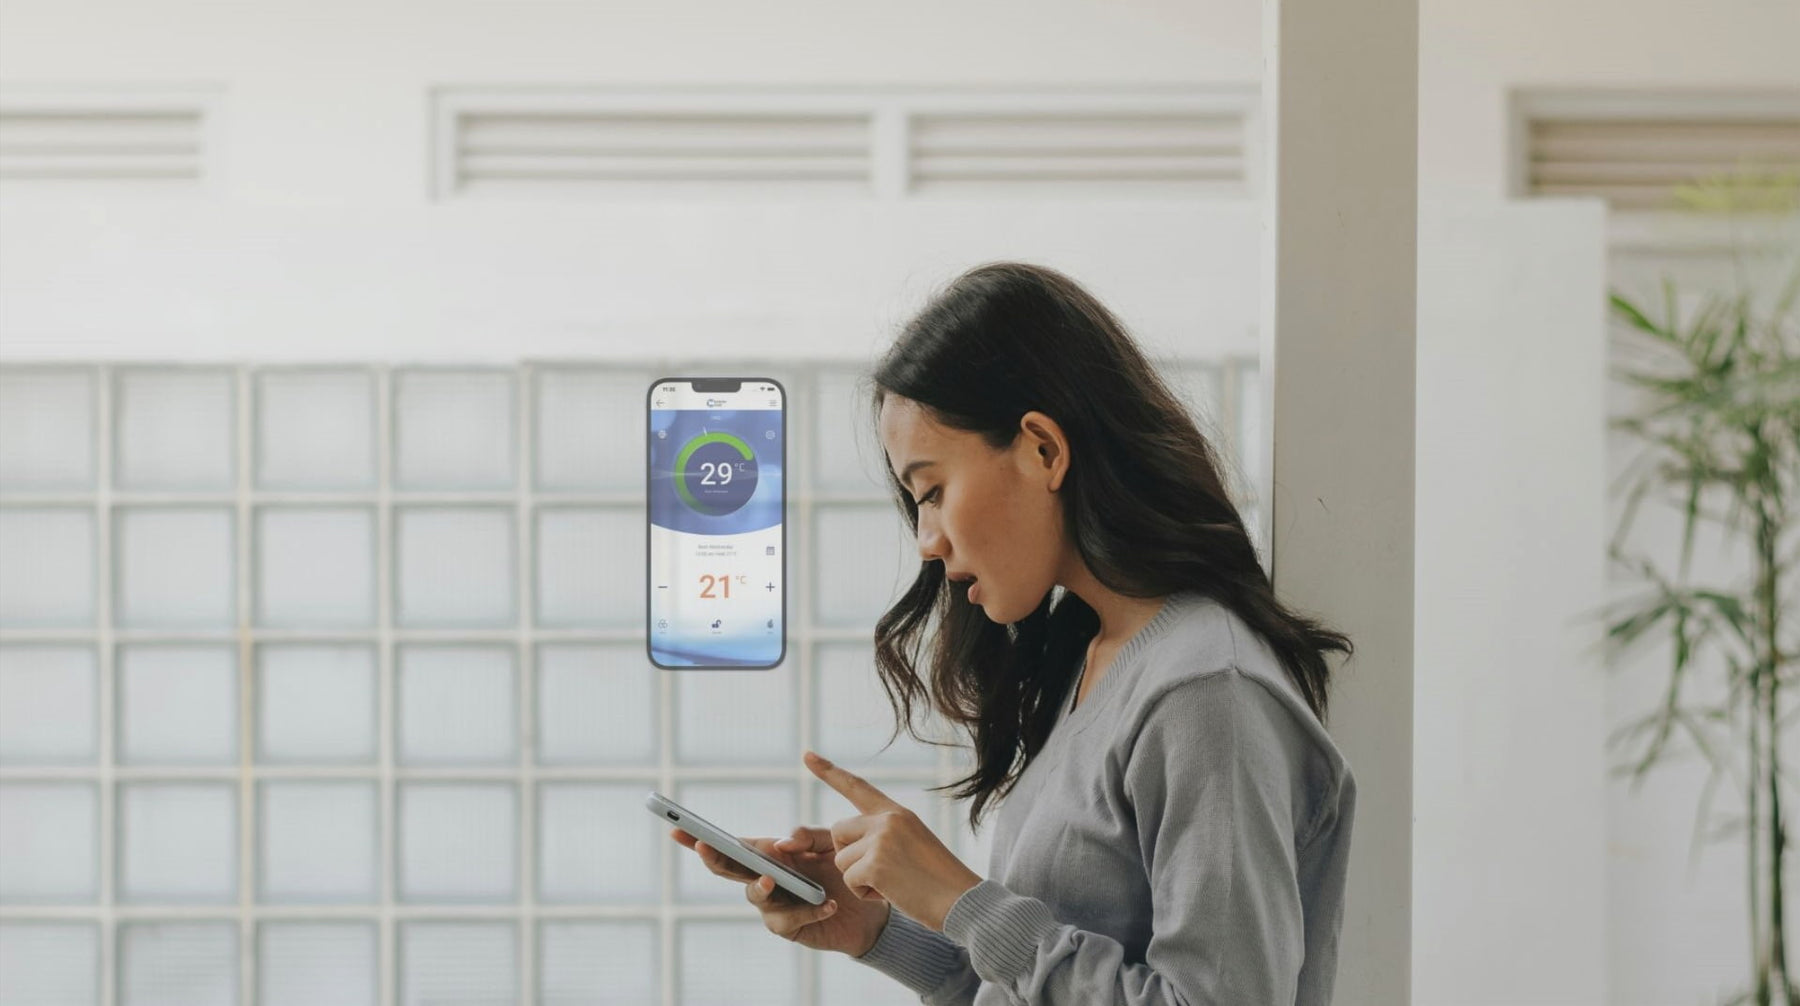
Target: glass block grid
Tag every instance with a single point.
(327, 683)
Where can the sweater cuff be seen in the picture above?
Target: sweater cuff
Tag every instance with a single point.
(1001, 930)
(910, 953)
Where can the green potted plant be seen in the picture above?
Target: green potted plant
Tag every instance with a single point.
(1717, 387)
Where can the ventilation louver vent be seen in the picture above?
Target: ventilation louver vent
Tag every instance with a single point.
(56, 144)
(881, 144)
(1635, 163)
(559, 151)
(1126, 151)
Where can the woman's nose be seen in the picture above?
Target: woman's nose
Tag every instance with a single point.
(931, 542)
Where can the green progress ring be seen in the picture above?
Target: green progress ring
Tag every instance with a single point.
(695, 444)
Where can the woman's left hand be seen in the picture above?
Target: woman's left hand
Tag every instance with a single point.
(887, 852)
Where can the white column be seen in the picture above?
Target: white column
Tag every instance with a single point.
(1509, 789)
(1340, 93)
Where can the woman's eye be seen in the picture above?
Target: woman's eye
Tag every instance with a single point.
(928, 497)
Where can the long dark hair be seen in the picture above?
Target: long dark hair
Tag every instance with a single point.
(1143, 501)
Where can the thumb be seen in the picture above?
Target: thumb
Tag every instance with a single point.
(806, 839)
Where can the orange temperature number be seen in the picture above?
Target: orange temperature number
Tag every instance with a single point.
(710, 581)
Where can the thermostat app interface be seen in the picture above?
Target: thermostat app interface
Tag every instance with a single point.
(717, 494)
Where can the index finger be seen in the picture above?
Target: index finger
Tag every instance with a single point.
(861, 794)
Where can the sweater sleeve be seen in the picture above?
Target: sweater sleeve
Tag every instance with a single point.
(924, 961)
(1210, 776)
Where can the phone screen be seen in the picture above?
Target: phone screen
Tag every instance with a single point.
(717, 499)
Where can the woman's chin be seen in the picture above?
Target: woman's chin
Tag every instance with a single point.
(992, 613)
(974, 596)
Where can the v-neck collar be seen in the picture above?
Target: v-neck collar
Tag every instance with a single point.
(1078, 716)
(1075, 693)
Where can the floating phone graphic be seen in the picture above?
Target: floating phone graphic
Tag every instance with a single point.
(716, 522)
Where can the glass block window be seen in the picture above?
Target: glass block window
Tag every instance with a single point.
(328, 684)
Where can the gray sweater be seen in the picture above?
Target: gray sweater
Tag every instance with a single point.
(1181, 838)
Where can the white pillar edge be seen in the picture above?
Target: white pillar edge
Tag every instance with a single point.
(1338, 340)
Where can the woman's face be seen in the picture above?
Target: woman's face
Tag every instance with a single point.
(991, 514)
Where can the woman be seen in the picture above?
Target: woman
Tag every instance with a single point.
(1176, 822)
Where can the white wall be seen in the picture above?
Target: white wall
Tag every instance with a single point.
(1472, 53)
(1674, 930)
(325, 243)
(486, 282)
(327, 98)
(1679, 928)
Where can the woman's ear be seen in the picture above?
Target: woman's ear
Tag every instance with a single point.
(1041, 427)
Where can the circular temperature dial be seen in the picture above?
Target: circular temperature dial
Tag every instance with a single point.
(715, 473)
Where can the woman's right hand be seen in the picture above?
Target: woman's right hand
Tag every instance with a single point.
(845, 922)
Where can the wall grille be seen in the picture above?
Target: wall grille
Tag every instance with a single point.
(1634, 150)
(879, 145)
(1192, 150)
(497, 149)
(93, 139)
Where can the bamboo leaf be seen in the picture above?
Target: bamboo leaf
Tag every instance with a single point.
(1694, 486)
(1637, 319)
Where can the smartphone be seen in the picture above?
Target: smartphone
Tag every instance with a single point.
(716, 523)
(738, 852)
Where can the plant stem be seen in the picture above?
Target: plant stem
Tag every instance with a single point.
(1759, 955)
(1767, 532)
(1777, 844)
